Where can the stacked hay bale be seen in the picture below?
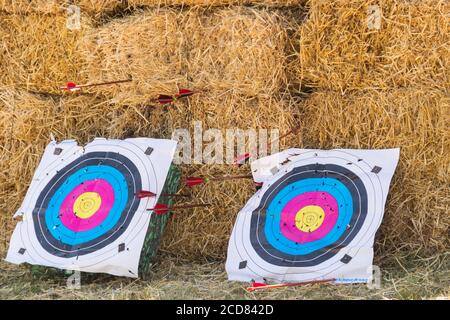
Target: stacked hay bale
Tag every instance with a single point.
(372, 88)
(145, 47)
(235, 57)
(385, 87)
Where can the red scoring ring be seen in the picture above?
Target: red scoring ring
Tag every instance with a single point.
(73, 222)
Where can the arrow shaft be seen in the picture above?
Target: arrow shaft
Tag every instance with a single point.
(200, 205)
(187, 206)
(174, 195)
(292, 284)
(103, 83)
(269, 144)
(231, 177)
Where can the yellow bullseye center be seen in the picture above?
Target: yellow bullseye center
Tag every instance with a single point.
(87, 204)
(309, 218)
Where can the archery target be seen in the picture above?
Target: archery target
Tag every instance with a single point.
(81, 210)
(315, 216)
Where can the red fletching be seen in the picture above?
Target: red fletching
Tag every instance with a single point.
(160, 209)
(258, 185)
(255, 286)
(193, 181)
(258, 284)
(145, 194)
(71, 86)
(184, 93)
(241, 159)
(165, 99)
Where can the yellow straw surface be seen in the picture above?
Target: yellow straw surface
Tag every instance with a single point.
(339, 51)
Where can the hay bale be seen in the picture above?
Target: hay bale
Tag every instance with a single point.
(340, 52)
(146, 47)
(98, 7)
(416, 120)
(210, 3)
(38, 52)
(240, 51)
(93, 8)
(26, 7)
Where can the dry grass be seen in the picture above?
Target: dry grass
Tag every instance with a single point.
(238, 50)
(187, 280)
(339, 52)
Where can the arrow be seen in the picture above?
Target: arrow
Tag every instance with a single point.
(161, 208)
(283, 136)
(193, 181)
(72, 86)
(164, 99)
(258, 286)
(148, 194)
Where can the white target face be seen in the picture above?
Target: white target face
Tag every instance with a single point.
(81, 210)
(314, 218)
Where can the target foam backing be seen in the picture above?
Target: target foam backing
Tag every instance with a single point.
(158, 223)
